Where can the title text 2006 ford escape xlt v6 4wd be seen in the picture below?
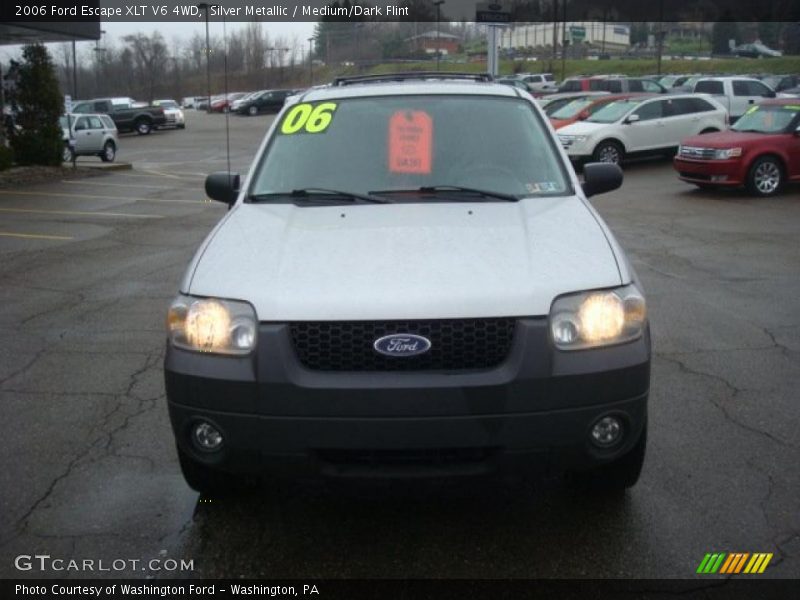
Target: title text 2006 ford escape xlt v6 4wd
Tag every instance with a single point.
(410, 281)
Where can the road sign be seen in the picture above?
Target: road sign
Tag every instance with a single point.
(492, 12)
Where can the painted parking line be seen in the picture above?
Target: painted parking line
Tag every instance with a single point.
(95, 197)
(79, 213)
(122, 185)
(34, 236)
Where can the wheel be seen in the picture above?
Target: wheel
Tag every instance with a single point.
(109, 152)
(143, 127)
(206, 480)
(617, 476)
(253, 111)
(765, 177)
(182, 126)
(67, 154)
(608, 151)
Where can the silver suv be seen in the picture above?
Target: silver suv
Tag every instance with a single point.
(89, 135)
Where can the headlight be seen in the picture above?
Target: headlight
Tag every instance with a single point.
(726, 153)
(568, 139)
(602, 318)
(212, 325)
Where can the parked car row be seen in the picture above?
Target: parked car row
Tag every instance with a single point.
(92, 127)
(250, 103)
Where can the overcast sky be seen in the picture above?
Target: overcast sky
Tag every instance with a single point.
(302, 29)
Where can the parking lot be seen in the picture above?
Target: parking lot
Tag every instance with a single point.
(89, 470)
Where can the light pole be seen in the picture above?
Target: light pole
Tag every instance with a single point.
(97, 51)
(438, 5)
(205, 7)
(310, 63)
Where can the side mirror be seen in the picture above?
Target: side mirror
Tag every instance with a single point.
(223, 187)
(632, 119)
(583, 115)
(600, 178)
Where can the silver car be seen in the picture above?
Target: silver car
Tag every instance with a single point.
(89, 135)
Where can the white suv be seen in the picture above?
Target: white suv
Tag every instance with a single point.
(642, 125)
(410, 281)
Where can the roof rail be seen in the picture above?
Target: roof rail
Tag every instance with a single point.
(355, 79)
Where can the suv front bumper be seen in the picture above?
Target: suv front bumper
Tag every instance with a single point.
(532, 412)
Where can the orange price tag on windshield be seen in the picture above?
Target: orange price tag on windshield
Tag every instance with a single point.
(410, 142)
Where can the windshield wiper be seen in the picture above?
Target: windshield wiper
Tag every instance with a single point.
(436, 189)
(322, 194)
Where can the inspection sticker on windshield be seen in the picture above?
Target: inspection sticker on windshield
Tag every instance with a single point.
(541, 187)
(308, 118)
(410, 142)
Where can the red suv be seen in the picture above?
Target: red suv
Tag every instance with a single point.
(761, 151)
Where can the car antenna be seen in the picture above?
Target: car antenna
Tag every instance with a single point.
(227, 106)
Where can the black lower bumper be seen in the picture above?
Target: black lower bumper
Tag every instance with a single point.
(532, 413)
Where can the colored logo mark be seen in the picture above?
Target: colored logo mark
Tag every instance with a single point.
(734, 563)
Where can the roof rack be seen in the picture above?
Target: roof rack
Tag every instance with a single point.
(355, 79)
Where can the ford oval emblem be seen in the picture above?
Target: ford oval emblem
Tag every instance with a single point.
(402, 344)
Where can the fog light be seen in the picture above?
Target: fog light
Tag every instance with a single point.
(206, 436)
(607, 432)
(719, 178)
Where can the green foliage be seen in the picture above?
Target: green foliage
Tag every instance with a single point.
(6, 158)
(39, 105)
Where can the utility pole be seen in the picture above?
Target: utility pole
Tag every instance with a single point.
(97, 51)
(205, 7)
(74, 72)
(310, 63)
(438, 5)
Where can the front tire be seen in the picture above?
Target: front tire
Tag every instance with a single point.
(68, 154)
(253, 111)
(143, 127)
(616, 476)
(765, 177)
(109, 152)
(608, 151)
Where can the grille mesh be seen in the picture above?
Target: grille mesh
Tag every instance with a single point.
(456, 344)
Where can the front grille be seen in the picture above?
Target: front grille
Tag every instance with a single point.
(456, 344)
(697, 153)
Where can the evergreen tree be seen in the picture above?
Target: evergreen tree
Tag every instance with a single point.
(39, 104)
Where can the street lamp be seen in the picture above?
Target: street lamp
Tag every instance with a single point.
(438, 5)
(98, 50)
(310, 63)
(205, 7)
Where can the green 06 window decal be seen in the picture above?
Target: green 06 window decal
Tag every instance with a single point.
(308, 118)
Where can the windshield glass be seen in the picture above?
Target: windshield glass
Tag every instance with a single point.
(167, 104)
(407, 142)
(767, 119)
(571, 109)
(613, 111)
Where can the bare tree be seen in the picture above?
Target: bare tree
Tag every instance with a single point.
(149, 55)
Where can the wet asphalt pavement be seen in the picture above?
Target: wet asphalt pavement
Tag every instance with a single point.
(89, 470)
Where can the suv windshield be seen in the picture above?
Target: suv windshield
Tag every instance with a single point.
(360, 145)
(773, 118)
(613, 111)
(571, 109)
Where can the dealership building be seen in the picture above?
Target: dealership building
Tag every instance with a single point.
(606, 35)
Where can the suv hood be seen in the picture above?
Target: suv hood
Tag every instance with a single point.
(725, 139)
(582, 128)
(404, 261)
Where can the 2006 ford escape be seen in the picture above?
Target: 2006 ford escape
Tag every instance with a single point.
(410, 281)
